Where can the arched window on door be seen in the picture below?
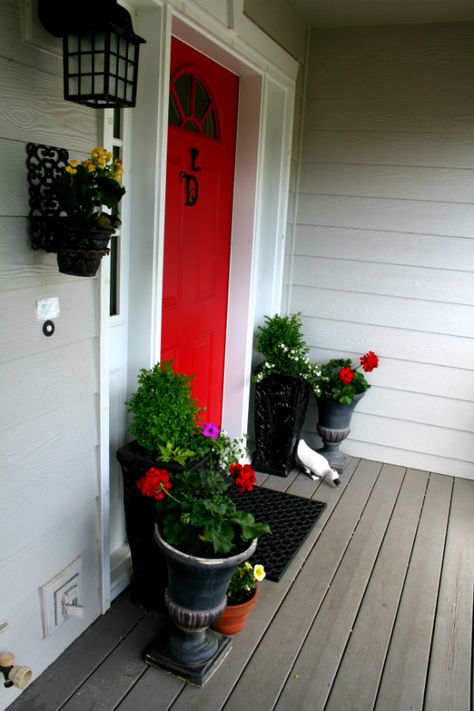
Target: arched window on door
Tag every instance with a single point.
(191, 106)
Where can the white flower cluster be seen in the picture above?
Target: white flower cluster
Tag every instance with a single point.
(229, 450)
(298, 363)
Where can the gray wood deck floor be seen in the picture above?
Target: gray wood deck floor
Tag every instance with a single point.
(375, 612)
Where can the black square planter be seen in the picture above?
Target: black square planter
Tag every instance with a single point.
(280, 409)
(149, 566)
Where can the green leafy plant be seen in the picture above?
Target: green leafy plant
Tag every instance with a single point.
(83, 189)
(243, 582)
(280, 340)
(165, 415)
(165, 421)
(195, 510)
(342, 382)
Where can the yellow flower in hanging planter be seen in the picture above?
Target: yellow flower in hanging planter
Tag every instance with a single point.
(84, 189)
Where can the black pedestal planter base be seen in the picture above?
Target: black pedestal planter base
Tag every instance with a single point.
(337, 460)
(159, 656)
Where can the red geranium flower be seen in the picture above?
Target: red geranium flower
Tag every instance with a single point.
(346, 375)
(369, 361)
(243, 476)
(154, 483)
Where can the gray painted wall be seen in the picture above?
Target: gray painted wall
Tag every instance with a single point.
(49, 386)
(383, 257)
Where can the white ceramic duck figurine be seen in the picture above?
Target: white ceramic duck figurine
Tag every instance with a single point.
(315, 465)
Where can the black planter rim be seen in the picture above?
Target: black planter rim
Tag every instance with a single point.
(329, 398)
(227, 561)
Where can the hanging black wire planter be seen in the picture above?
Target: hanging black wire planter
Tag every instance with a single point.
(79, 248)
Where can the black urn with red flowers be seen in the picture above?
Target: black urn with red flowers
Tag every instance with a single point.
(342, 388)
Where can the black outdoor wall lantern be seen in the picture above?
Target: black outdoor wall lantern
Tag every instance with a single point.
(100, 50)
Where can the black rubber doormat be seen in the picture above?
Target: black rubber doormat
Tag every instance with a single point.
(290, 517)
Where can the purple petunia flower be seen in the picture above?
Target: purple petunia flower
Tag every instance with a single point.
(210, 429)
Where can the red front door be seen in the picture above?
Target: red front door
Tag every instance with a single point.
(199, 189)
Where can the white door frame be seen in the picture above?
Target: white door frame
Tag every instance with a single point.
(266, 97)
(260, 196)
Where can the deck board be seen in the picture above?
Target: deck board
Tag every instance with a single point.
(409, 652)
(110, 682)
(449, 683)
(68, 673)
(374, 613)
(264, 678)
(358, 677)
(313, 672)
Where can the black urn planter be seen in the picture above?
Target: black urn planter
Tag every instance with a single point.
(333, 426)
(195, 597)
(149, 566)
(280, 409)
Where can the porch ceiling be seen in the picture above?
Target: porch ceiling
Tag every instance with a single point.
(326, 13)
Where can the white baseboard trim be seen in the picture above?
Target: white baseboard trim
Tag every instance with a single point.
(120, 570)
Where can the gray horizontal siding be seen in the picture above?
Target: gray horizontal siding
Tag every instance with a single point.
(383, 249)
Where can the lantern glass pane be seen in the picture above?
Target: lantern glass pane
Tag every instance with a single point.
(113, 64)
(122, 69)
(114, 42)
(123, 47)
(73, 64)
(121, 89)
(99, 63)
(72, 43)
(129, 92)
(73, 86)
(98, 83)
(86, 42)
(86, 85)
(99, 41)
(86, 64)
(130, 71)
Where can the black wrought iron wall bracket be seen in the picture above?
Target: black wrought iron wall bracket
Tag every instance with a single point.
(44, 163)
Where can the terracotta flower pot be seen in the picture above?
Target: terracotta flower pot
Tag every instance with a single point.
(234, 617)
